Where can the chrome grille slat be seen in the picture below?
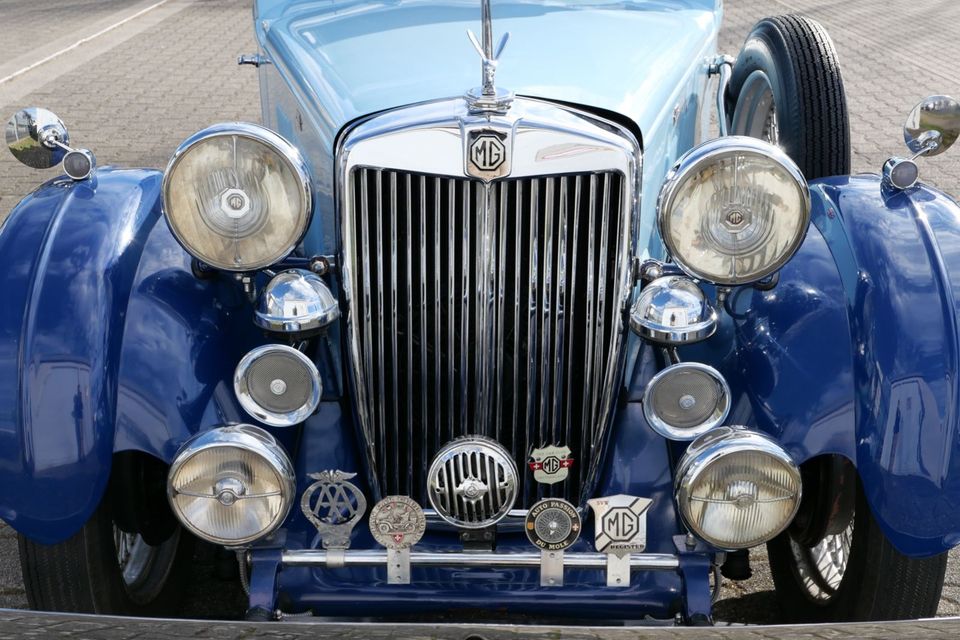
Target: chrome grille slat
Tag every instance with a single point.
(519, 341)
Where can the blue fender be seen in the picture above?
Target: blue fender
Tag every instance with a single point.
(855, 352)
(107, 342)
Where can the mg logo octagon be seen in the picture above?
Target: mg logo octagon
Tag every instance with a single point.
(621, 524)
(488, 154)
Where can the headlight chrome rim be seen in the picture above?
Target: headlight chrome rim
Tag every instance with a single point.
(290, 155)
(711, 152)
(251, 439)
(255, 409)
(712, 447)
(678, 433)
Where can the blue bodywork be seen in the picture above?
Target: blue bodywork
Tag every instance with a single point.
(109, 342)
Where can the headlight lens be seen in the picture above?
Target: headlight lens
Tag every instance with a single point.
(231, 485)
(237, 196)
(734, 210)
(737, 488)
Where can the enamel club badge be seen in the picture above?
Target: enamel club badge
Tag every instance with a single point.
(550, 465)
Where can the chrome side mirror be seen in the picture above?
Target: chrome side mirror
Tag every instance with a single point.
(932, 127)
(38, 138)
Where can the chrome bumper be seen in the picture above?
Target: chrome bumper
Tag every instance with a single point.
(374, 558)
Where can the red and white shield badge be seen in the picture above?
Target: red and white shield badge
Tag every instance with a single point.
(550, 464)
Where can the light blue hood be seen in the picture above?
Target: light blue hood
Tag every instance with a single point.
(335, 61)
(363, 57)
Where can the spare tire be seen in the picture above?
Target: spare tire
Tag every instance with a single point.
(786, 87)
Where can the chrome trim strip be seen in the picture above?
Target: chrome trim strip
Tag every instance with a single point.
(376, 558)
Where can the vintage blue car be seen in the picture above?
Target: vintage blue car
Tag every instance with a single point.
(542, 347)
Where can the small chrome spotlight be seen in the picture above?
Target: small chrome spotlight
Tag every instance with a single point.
(472, 482)
(673, 310)
(231, 485)
(278, 385)
(737, 488)
(296, 301)
(685, 400)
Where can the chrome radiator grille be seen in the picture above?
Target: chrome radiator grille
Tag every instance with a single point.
(490, 309)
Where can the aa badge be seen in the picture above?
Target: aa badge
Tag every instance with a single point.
(334, 506)
(550, 465)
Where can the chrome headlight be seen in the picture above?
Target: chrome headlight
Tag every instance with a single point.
(737, 488)
(237, 196)
(733, 210)
(231, 485)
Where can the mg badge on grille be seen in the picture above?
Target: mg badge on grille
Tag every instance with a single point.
(488, 154)
(334, 506)
(550, 465)
(620, 528)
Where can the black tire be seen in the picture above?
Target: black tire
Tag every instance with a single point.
(83, 574)
(878, 583)
(797, 61)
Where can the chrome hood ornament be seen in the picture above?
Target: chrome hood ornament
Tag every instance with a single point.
(487, 98)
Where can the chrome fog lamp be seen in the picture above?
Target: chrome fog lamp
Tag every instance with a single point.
(733, 210)
(237, 196)
(278, 385)
(737, 488)
(685, 400)
(296, 301)
(231, 485)
(673, 310)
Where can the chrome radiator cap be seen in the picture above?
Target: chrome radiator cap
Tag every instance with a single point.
(472, 482)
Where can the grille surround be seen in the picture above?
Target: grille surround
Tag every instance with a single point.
(440, 331)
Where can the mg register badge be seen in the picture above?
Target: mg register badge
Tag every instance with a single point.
(620, 528)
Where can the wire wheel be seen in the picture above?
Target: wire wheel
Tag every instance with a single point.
(756, 114)
(821, 568)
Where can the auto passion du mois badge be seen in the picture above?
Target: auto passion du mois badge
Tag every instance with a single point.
(553, 524)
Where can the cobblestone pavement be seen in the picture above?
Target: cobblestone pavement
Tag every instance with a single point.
(133, 93)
